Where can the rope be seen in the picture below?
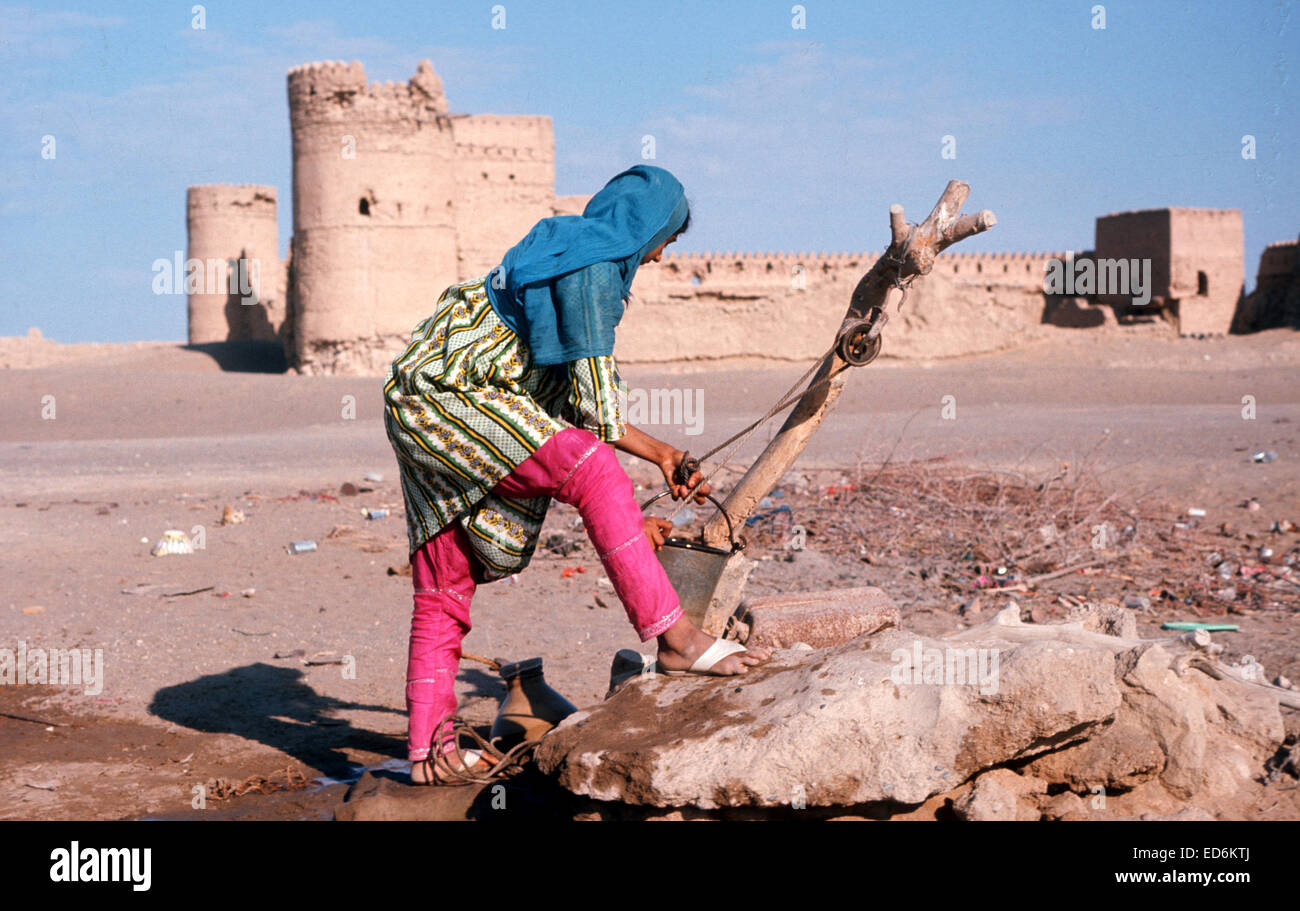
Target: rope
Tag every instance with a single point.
(794, 394)
(503, 764)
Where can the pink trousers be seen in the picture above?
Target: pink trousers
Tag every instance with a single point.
(575, 468)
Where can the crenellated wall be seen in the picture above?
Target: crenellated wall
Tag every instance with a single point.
(505, 184)
(395, 198)
(374, 211)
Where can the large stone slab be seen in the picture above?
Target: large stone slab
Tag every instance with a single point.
(820, 619)
(894, 719)
(847, 725)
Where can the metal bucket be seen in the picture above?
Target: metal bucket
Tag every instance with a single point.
(694, 567)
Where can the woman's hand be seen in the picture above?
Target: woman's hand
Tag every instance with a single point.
(644, 446)
(668, 465)
(655, 528)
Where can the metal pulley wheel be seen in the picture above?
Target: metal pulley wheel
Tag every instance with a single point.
(857, 345)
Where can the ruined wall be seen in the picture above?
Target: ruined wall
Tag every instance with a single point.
(394, 198)
(1275, 302)
(1207, 267)
(1136, 235)
(704, 306)
(505, 184)
(1197, 261)
(570, 205)
(228, 222)
(374, 197)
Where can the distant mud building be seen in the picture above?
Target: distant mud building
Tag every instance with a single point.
(394, 198)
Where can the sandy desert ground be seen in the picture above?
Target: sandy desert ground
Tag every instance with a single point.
(153, 436)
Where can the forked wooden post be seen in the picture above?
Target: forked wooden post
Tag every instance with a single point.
(910, 253)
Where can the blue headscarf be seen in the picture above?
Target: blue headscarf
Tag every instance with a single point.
(562, 287)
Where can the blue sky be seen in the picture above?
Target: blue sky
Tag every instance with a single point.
(786, 139)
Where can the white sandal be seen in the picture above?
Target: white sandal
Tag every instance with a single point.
(704, 665)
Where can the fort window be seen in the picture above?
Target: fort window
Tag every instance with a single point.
(1202, 284)
(979, 267)
(954, 269)
(364, 208)
(695, 279)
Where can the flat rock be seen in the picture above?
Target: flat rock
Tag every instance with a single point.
(840, 726)
(888, 721)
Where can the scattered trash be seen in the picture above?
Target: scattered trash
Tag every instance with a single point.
(308, 495)
(1265, 554)
(221, 594)
(373, 514)
(287, 779)
(374, 477)
(1227, 594)
(249, 592)
(301, 547)
(1214, 559)
(172, 543)
(197, 591)
(341, 531)
(296, 653)
(349, 489)
(1208, 627)
(403, 570)
(1138, 602)
(570, 571)
(561, 545)
(600, 602)
(232, 516)
(247, 633)
(770, 517)
(48, 785)
(34, 609)
(604, 580)
(323, 658)
(1281, 681)
(1251, 505)
(1264, 456)
(1283, 526)
(1196, 512)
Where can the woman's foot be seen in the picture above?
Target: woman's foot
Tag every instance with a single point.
(683, 643)
(423, 771)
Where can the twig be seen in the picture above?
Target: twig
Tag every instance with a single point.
(52, 724)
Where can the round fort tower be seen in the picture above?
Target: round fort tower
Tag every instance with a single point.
(229, 222)
(374, 219)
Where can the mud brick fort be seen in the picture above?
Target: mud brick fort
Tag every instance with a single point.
(394, 198)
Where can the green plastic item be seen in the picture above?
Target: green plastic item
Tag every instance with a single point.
(1208, 627)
